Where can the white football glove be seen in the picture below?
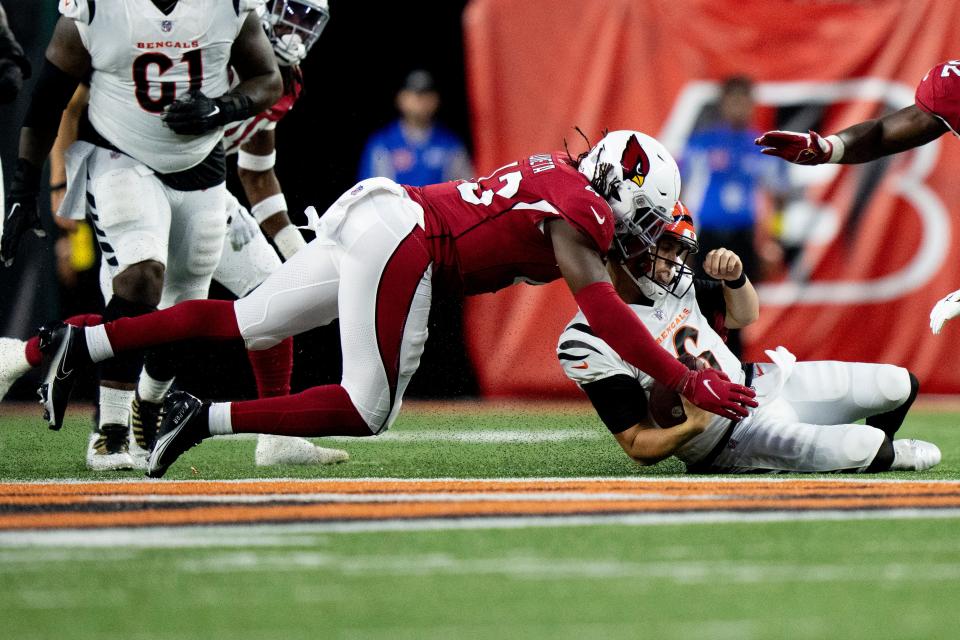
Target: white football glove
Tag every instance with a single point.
(945, 309)
(243, 228)
(289, 50)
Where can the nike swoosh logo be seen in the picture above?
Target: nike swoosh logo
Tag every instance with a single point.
(585, 365)
(215, 111)
(596, 215)
(12, 210)
(706, 383)
(61, 374)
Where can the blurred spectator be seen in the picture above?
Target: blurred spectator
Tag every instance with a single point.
(415, 150)
(724, 180)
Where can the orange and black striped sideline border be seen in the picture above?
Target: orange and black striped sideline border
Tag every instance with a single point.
(93, 505)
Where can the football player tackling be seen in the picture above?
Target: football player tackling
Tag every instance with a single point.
(936, 110)
(382, 252)
(806, 409)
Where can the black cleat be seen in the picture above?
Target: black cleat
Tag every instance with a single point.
(65, 358)
(145, 422)
(183, 425)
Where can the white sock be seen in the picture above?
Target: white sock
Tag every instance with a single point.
(151, 389)
(219, 419)
(115, 405)
(98, 344)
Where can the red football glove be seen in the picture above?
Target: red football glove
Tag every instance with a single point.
(712, 391)
(799, 148)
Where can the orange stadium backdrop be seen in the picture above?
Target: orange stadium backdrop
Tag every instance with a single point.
(881, 244)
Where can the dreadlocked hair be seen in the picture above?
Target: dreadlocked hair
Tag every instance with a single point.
(599, 182)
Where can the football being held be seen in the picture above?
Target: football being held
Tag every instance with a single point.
(806, 413)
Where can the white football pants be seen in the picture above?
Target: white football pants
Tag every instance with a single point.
(809, 426)
(136, 218)
(368, 266)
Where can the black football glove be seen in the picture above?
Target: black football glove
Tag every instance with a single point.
(22, 212)
(195, 113)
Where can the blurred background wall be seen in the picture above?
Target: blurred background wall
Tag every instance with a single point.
(871, 247)
(868, 249)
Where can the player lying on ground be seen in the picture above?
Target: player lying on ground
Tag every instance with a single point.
(936, 110)
(804, 421)
(382, 252)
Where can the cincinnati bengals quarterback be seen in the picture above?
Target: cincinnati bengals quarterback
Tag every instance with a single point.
(805, 419)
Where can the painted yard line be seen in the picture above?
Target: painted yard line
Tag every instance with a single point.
(305, 534)
(496, 436)
(53, 500)
(532, 567)
(367, 487)
(271, 513)
(752, 479)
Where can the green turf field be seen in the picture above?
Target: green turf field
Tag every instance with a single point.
(864, 578)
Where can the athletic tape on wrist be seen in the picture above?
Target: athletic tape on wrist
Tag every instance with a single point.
(288, 241)
(268, 206)
(837, 152)
(736, 284)
(254, 162)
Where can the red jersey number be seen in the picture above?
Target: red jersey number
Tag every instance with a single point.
(506, 186)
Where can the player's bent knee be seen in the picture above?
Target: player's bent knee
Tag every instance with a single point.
(141, 282)
(895, 383)
(860, 445)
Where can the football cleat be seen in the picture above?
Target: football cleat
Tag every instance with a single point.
(107, 449)
(13, 363)
(183, 425)
(65, 358)
(145, 422)
(914, 455)
(272, 450)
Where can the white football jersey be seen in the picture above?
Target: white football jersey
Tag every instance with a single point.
(679, 326)
(144, 59)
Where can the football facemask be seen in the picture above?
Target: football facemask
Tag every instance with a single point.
(294, 26)
(663, 268)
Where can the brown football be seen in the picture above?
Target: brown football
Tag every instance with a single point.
(664, 405)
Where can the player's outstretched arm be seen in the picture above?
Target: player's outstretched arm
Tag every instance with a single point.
(648, 445)
(899, 131)
(67, 62)
(739, 296)
(267, 204)
(614, 323)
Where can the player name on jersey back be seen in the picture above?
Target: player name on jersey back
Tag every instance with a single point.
(491, 231)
